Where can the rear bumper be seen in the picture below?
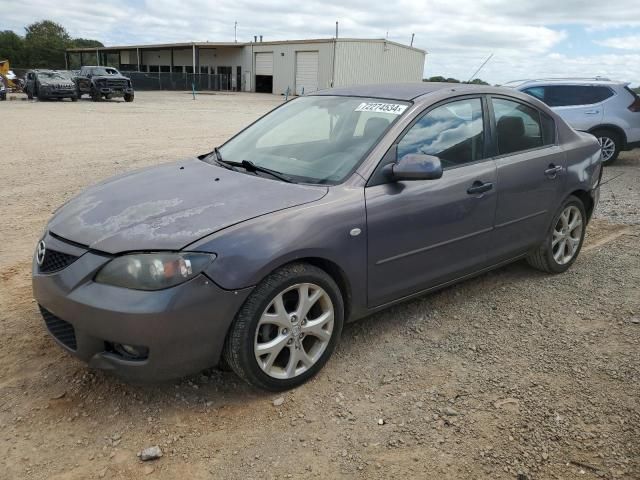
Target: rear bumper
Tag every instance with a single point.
(183, 327)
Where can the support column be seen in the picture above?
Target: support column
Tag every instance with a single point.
(193, 51)
(171, 65)
(66, 60)
(81, 61)
(138, 55)
(97, 56)
(119, 59)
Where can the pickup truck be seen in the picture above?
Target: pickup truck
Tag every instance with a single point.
(103, 82)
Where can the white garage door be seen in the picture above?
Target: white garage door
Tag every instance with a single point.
(306, 72)
(264, 63)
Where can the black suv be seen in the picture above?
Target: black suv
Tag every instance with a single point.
(49, 84)
(104, 82)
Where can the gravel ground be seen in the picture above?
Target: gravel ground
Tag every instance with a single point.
(512, 375)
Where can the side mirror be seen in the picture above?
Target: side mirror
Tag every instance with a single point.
(414, 166)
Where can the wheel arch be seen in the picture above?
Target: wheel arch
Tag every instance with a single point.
(614, 128)
(586, 200)
(334, 271)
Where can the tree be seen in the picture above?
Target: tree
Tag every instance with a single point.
(85, 43)
(12, 48)
(46, 42)
(477, 81)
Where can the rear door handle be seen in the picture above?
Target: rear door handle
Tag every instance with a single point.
(479, 187)
(553, 171)
(592, 112)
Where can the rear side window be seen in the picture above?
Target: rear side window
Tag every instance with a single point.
(454, 132)
(572, 95)
(518, 126)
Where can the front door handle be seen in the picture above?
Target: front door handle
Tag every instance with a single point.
(479, 187)
(592, 112)
(553, 170)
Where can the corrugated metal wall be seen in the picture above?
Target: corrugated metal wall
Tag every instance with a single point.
(367, 62)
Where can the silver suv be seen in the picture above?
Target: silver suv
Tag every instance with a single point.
(608, 109)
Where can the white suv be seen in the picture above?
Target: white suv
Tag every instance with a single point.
(608, 109)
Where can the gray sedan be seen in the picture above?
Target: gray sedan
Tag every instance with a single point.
(327, 209)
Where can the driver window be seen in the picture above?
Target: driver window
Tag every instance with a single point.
(310, 125)
(453, 132)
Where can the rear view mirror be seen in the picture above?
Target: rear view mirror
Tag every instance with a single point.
(414, 166)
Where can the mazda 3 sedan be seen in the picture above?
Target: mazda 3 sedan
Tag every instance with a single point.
(329, 208)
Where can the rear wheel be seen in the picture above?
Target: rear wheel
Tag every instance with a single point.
(287, 329)
(610, 143)
(563, 241)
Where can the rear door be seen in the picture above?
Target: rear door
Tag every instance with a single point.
(427, 232)
(531, 173)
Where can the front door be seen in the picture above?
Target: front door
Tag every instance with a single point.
(425, 233)
(530, 169)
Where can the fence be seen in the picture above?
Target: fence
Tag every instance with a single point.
(179, 81)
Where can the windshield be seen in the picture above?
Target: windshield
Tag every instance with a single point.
(104, 71)
(56, 75)
(316, 139)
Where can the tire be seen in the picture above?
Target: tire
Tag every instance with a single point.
(128, 97)
(29, 94)
(74, 99)
(255, 326)
(610, 141)
(96, 96)
(570, 239)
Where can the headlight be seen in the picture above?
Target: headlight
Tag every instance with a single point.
(153, 271)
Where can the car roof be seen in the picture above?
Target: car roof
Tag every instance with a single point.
(396, 91)
(563, 81)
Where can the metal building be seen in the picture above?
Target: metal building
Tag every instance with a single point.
(295, 66)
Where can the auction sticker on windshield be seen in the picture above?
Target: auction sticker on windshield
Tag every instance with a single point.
(393, 108)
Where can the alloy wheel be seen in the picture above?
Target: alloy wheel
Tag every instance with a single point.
(608, 147)
(294, 331)
(567, 235)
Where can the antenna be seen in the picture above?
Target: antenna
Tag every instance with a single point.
(235, 32)
(412, 37)
(336, 29)
(479, 68)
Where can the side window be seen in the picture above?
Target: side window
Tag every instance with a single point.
(454, 132)
(537, 92)
(517, 126)
(548, 129)
(573, 95)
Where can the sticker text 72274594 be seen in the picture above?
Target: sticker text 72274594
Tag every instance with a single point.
(392, 108)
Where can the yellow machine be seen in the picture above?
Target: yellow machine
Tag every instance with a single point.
(5, 68)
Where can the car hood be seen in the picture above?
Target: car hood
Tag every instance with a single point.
(172, 205)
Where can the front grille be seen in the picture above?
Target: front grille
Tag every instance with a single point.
(55, 261)
(116, 83)
(63, 331)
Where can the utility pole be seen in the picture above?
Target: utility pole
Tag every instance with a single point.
(235, 32)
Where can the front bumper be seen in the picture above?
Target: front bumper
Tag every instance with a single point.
(116, 92)
(66, 93)
(183, 327)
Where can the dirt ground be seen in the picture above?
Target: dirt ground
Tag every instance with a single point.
(512, 375)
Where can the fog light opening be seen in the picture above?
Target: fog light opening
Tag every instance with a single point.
(129, 352)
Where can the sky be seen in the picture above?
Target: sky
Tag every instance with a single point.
(528, 39)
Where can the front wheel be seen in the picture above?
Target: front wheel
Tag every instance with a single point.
(610, 144)
(96, 96)
(128, 97)
(287, 329)
(563, 241)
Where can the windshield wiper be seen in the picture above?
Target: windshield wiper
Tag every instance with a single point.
(220, 161)
(252, 167)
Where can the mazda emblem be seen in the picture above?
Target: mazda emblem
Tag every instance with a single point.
(40, 252)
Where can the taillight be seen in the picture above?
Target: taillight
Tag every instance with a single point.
(635, 106)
